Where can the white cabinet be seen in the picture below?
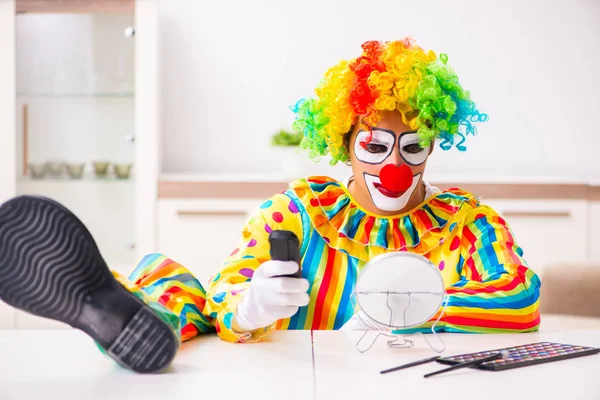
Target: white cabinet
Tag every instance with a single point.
(97, 99)
(83, 119)
(548, 231)
(201, 233)
(594, 222)
(11, 318)
(111, 223)
(75, 118)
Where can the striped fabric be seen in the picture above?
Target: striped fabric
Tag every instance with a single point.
(171, 285)
(489, 286)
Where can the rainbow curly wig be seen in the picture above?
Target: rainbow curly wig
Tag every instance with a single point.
(387, 76)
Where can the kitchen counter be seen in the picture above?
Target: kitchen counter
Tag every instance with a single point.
(265, 185)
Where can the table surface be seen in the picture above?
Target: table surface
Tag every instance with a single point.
(65, 364)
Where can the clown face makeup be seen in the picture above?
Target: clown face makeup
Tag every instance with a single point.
(375, 147)
(388, 165)
(410, 150)
(388, 200)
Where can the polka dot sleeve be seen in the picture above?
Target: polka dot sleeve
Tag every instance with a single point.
(496, 291)
(227, 286)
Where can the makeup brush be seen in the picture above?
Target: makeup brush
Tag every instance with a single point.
(412, 364)
(502, 354)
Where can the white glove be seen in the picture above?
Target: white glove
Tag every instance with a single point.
(271, 298)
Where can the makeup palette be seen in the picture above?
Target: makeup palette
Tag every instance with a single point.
(524, 355)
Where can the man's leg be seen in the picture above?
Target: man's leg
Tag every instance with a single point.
(173, 286)
(50, 266)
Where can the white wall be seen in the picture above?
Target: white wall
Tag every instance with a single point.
(231, 69)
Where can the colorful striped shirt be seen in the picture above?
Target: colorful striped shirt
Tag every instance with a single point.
(489, 286)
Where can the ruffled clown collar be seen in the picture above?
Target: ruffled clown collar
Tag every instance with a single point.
(346, 226)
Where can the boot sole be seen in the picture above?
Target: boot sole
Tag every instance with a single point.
(50, 266)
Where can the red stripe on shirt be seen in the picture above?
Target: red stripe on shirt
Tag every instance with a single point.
(490, 323)
(320, 302)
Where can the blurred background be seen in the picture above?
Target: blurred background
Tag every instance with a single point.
(164, 123)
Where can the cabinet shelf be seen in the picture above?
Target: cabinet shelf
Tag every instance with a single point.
(66, 181)
(40, 95)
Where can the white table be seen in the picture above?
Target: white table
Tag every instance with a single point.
(344, 373)
(66, 365)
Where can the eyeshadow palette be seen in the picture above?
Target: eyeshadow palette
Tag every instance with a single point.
(524, 355)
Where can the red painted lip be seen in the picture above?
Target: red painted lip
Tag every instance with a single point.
(386, 192)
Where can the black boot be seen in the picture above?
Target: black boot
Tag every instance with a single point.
(50, 266)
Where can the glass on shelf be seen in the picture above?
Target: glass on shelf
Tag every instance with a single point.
(95, 171)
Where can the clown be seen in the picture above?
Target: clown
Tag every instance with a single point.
(382, 112)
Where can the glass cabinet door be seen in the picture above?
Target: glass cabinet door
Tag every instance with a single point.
(75, 120)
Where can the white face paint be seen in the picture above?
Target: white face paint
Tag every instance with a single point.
(385, 200)
(410, 150)
(377, 149)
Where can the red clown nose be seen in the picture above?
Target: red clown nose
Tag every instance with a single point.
(396, 179)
